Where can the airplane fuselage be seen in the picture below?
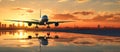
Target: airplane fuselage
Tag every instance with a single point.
(44, 20)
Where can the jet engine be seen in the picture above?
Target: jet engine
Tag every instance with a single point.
(29, 24)
(29, 37)
(56, 24)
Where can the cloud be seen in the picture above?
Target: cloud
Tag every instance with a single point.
(7, 0)
(118, 2)
(106, 17)
(84, 13)
(108, 3)
(30, 11)
(64, 16)
(62, 0)
(24, 9)
(89, 16)
(73, 15)
(112, 3)
(78, 1)
(17, 8)
(109, 17)
(12, 0)
(81, 1)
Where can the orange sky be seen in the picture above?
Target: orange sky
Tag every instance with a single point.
(86, 13)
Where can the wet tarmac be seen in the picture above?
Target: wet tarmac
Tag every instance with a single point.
(12, 41)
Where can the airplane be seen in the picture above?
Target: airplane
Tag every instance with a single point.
(43, 39)
(43, 21)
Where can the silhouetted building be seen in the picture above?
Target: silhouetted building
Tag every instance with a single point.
(3, 25)
(23, 25)
(13, 25)
(10, 26)
(18, 25)
(98, 26)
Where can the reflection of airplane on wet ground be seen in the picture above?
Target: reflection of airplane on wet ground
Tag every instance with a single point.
(44, 21)
(43, 39)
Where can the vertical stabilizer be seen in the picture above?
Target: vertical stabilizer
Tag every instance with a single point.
(40, 13)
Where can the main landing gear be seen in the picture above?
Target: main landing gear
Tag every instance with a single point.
(36, 26)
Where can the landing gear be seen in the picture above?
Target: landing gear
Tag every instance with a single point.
(48, 26)
(36, 26)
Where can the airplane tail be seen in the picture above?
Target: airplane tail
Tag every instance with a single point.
(40, 13)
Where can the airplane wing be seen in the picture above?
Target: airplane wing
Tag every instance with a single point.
(51, 22)
(35, 22)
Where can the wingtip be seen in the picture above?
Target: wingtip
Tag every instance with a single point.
(6, 20)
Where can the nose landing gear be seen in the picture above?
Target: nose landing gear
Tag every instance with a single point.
(48, 26)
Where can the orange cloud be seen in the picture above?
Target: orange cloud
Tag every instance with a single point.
(30, 11)
(17, 8)
(84, 12)
(72, 16)
(62, 0)
(118, 2)
(112, 3)
(107, 17)
(82, 1)
(64, 16)
(12, 0)
(8, 0)
(112, 17)
(25, 9)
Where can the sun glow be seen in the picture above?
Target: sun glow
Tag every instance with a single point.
(20, 34)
